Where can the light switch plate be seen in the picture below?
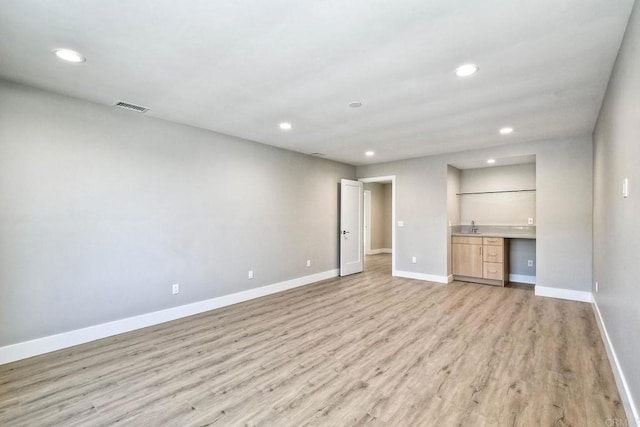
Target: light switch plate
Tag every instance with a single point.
(625, 188)
(530, 221)
(400, 223)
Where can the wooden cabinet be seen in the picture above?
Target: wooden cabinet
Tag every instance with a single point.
(467, 256)
(480, 259)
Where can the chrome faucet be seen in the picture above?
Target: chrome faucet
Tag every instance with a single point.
(474, 229)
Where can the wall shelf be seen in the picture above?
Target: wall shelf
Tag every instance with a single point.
(495, 192)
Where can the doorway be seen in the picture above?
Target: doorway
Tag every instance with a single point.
(379, 217)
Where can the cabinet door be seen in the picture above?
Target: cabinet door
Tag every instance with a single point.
(467, 260)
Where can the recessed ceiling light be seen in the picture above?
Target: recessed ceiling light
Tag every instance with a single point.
(69, 55)
(506, 131)
(285, 126)
(355, 104)
(491, 161)
(369, 153)
(466, 70)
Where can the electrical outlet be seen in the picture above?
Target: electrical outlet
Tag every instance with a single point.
(596, 286)
(250, 274)
(400, 223)
(413, 260)
(530, 263)
(530, 221)
(308, 263)
(175, 288)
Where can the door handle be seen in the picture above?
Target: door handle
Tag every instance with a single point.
(345, 232)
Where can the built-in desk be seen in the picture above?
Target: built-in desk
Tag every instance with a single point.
(483, 256)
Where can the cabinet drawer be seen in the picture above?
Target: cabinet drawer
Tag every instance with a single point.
(467, 240)
(492, 253)
(493, 270)
(496, 241)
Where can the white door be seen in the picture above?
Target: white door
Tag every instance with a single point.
(351, 233)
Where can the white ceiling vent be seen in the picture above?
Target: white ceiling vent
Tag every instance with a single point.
(131, 107)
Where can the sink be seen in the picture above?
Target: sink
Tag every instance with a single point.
(470, 233)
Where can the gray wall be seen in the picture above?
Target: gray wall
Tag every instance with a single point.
(454, 177)
(387, 215)
(563, 208)
(521, 251)
(101, 210)
(376, 226)
(502, 208)
(616, 222)
(380, 214)
(498, 208)
(453, 205)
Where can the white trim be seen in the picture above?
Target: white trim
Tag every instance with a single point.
(367, 222)
(627, 400)
(450, 278)
(422, 276)
(388, 178)
(570, 294)
(50, 343)
(521, 278)
(380, 251)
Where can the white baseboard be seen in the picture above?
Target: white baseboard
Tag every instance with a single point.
(625, 393)
(570, 294)
(422, 276)
(50, 343)
(521, 278)
(450, 278)
(379, 251)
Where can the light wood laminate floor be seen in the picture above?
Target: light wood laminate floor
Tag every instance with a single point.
(365, 349)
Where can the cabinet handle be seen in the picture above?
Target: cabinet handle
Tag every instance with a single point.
(493, 271)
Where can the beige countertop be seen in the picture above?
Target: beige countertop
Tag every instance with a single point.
(504, 231)
(503, 235)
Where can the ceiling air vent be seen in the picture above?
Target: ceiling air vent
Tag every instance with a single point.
(131, 107)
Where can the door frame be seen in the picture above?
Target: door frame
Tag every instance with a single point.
(367, 222)
(388, 178)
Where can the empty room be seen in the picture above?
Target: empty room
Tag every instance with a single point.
(286, 213)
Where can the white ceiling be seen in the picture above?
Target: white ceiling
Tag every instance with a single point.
(241, 67)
